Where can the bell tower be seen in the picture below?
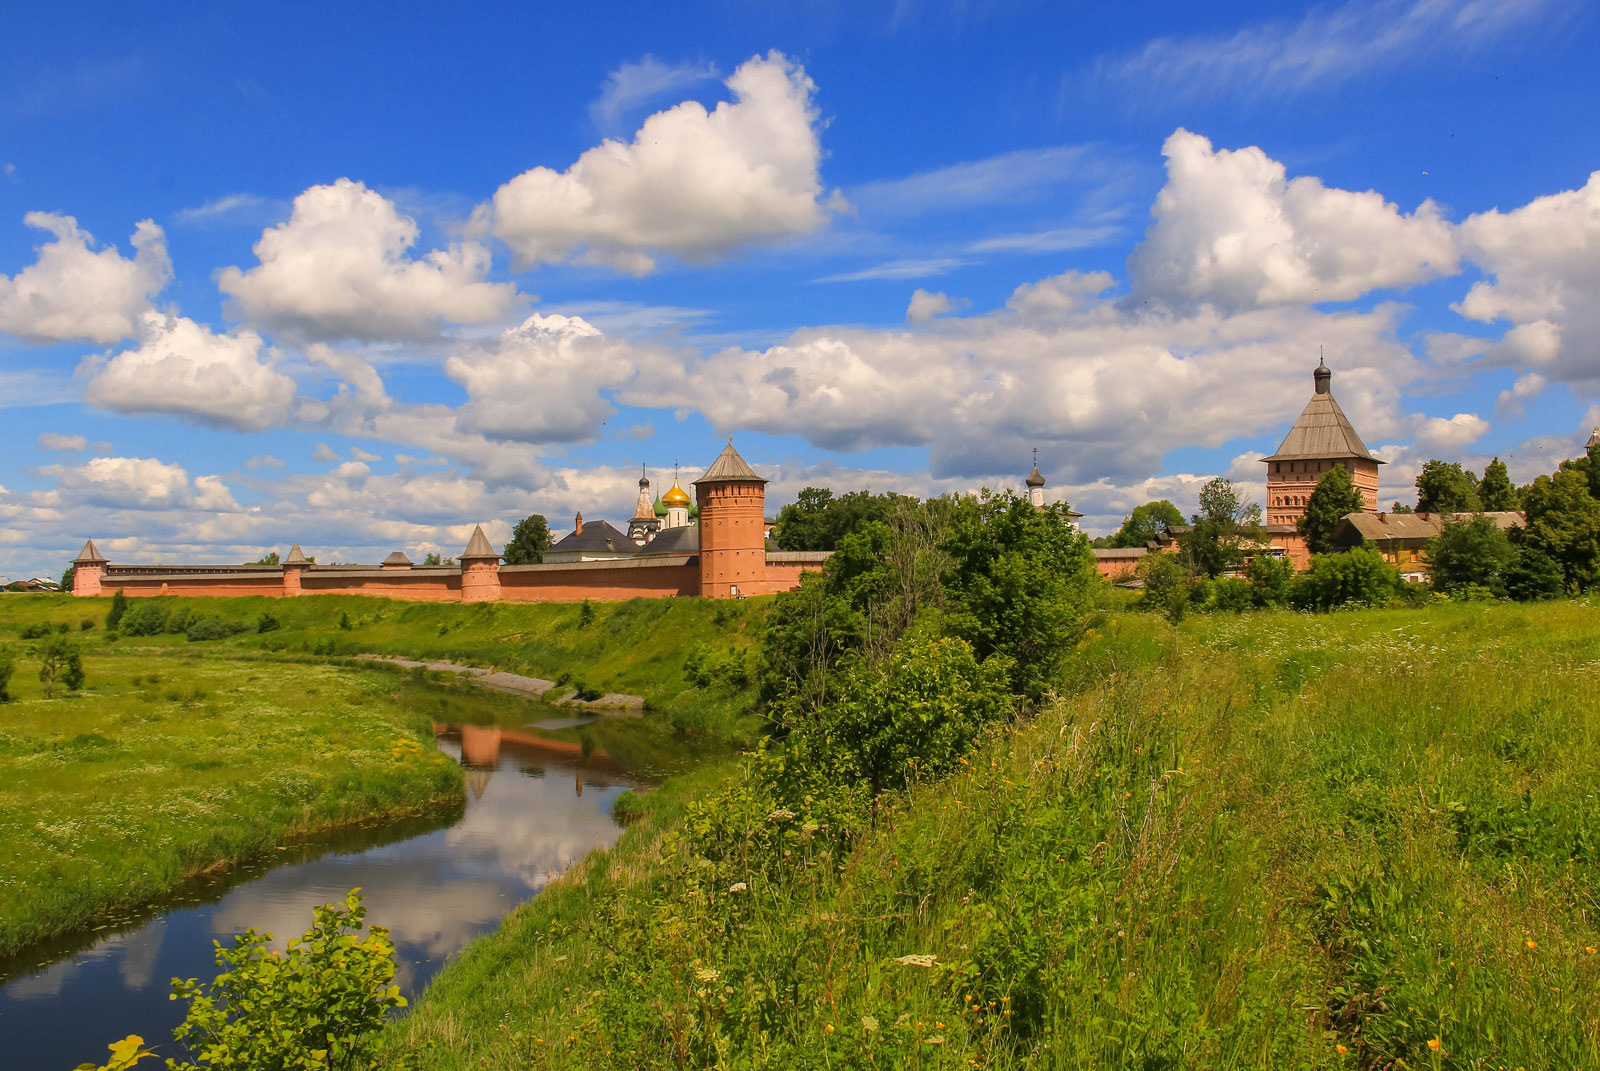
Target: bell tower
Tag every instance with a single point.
(1321, 438)
(733, 542)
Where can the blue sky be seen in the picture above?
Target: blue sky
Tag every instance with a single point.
(364, 276)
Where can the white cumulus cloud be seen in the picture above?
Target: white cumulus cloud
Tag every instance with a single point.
(340, 267)
(1544, 259)
(73, 291)
(538, 382)
(1231, 228)
(182, 368)
(140, 483)
(692, 183)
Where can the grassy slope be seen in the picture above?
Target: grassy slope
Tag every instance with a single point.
(164, 767)
(1370, 830)
(638, 647)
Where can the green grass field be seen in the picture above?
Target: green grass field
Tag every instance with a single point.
(1275, 840)
(640, 647)
(164, 767)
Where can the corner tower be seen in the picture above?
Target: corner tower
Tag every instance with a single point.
(87, 570)
(1321, 438)
(733, 544)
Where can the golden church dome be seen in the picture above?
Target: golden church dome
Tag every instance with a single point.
(675, 497)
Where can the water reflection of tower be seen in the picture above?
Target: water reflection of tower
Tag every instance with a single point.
(480, 754)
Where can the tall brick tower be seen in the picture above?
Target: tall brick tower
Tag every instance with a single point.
(1319, 440)
(733, 543)
(480, 569)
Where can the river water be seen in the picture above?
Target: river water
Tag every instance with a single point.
(538, 799)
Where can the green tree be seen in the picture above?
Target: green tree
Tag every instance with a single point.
(1215, 541)
(1469, 553)
(1359, 577)
(1495, 490)
(1167, 585)
(1270, 579)
(7, 667)
(1532, 575)
(1146, 524)
(1446, 487)
(67, 577)
(269, 558)
(1564, 522)
(316, 1007)
(119, 606)
(1018, 584)
(529, 540)
(60, 662)
(818, 519)
(1334, 497)
(1400, 507)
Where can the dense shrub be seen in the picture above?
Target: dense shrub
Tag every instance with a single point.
(86, 624)
(1168, 586)
(1225, 595)
(1532, 574)
(7, 667)
(913, 717)
(1019, 583)
(146, 617)
(728, 669)
(213, 628)
(1359, 577)
(36, 632)
(1269, 580)
(267, 623)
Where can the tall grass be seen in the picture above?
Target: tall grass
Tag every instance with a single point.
(1347, 840)
(162, 768)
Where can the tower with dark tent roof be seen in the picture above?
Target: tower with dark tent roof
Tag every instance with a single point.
(1321, 438)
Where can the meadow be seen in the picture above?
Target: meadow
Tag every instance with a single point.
(161, 768)
(1361, 839)
(688, 658)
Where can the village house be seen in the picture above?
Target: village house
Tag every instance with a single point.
(1402, 538)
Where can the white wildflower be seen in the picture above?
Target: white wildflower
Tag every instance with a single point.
(782, 814)
(738, 886)
(868, 1023)
(916, 961)
(705, 974)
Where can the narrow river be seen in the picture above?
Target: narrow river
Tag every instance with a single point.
(538, 799)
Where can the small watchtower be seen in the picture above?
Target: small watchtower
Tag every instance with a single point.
(88, 568)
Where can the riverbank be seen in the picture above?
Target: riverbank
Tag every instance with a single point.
(162, 768)
(688, 659)
(1272, 840)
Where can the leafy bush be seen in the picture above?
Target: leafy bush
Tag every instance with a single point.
(319, 1005)
(1224, 595)
(7, 667)
(1167, 586)
(1269, 580)
(729, 669)
(1018, 583)
(344, 622)
(59, 663)
(124, 1054)
(36, 632)
(63, 628)
(86, 624)
(267, 623)
(1359, 577)
(586, 614)
(913, 717)
(1532, 574)
(214, 628)
(179, 617)
(147, 617)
